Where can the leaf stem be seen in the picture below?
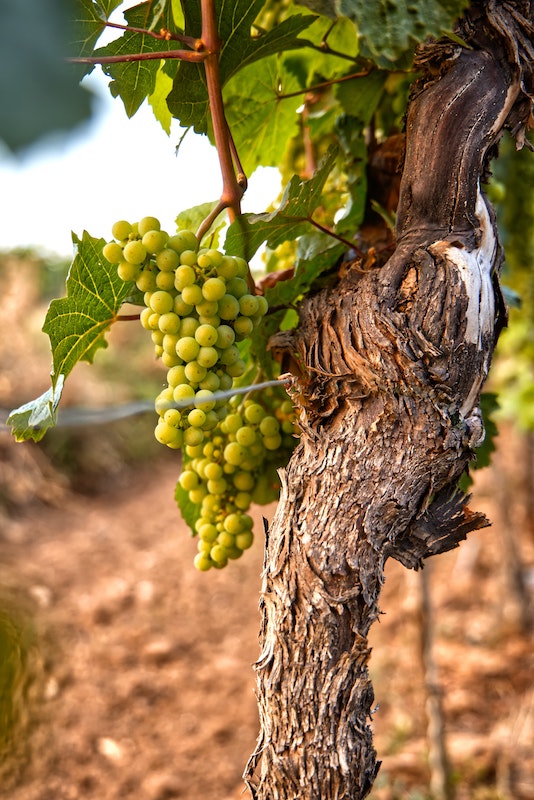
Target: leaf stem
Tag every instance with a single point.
(325, 84)
(163, 34)
(334, 235)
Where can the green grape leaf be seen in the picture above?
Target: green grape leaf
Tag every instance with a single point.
(289, 221)
(317, 253)
(158, 99)
(188, 100)
(390, 28)
(76, 324)
(33, 419)
(189, 511)
(314, 65)
(260, 122)
(134, 81)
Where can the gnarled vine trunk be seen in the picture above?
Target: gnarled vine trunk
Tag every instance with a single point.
(391, 363)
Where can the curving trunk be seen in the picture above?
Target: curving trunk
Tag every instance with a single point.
(390, 367)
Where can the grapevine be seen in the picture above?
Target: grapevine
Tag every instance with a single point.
(200, 313)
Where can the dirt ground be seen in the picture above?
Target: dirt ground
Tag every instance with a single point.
(133, 676)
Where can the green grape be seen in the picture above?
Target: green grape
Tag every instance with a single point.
(147, 224)
(228, 307)
(213, 471)
(227, 269)
(187, 348)
(204, 400)
(196, 418)
(243, 481)
(189, 326)
(254, 413)
(243, 326)
(183, 240)
(193, 436)
(211, 382)
(234, 454)
(206, 335)
(244, 540)
(269, 426)
(167, 434)
(225, 336)
(218, 554)
(192, 294)
(229, 355)
(128, 272)
(189, 480)
(263, 305)
(195, 372)
(176, 376)
(184, 276)
(161, 302)
(236, 369)
(188, 257)
(134, 252)
(214, 289)
(237, 287)
(202, 562)
(183, 392)
(207, 357)
(121, 230)
(172, 417)
(248, 305)
(169, 340)
(169, 323)
(167, 260)
(233, 523)
(245, 436)
(207, 308)
(112, 252)
(146, 282)
(242, 267)
(157, 336)
(182, 308)
(154, 241)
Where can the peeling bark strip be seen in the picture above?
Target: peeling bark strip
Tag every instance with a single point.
(392, 365)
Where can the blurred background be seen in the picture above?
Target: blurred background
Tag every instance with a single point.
(125, 673)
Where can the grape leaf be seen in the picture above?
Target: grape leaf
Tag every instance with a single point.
(290, 220)
(189, 511)
(134, 81)
(191, 219)
(76, 325)
(262, 123)
(390, 28)
(33, 419)
(188, 100)
(158, 99)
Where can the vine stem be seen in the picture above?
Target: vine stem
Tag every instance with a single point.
(324, 84)
(233, 189)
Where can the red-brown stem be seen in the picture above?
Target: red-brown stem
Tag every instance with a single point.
(127, 317)
(334, 235)
(183, 55)
(232, 192)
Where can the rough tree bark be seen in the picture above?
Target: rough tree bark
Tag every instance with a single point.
(387, 371)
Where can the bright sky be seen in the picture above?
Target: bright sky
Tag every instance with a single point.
(114, 168)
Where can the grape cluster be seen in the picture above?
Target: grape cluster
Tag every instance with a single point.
(199, 308)
(236, 468)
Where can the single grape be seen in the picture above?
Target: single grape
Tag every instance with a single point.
(207, 357)
(154, 241)
(172, 417)
(165, 281)
(206, 335)
(134, 252)
(192, 294)
(236, 369)
(237, 287)
(189, 480)
(183, 240)
(148, 224)
(196, 418)
(204, 400)
(227, 269)
(242, 267)
(269, 426)
(184, 276)
(214, 289)
(167, 260)
(169, 340)
(233, 523)
(182, 308)
(254, 413)
(234, 454)
(146, 282)
(169, 323)
(225, 336)
(188, 326)
(210, 382)
(112, 252)
(193, 436)
(245, 436)
(183, 391)
(207, 308)
(243, 326)
(243, 481)
(229, 355)
(188, 257)
(187, 348)
(195, 372)
(128, 272)
(166, 434)
(248, 305)
(244, 540)
(228, 307)
(161, 302)
(176, 376)
(202, 562)
(121, 230)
